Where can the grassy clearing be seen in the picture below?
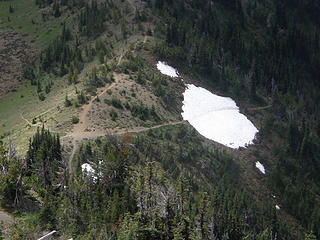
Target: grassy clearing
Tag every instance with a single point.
(50, 112)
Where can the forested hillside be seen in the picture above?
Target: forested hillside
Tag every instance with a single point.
(92, 142)
(256, 50)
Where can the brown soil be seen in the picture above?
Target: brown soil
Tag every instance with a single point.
(6, 218)
(15, 53)
(87, 129)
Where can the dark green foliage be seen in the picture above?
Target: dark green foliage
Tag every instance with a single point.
(41, 96)
(11, 9)
(158, 84)
(39, 88)
(94, 81)
(60, 55)
(91, 19)
(56, 9)
(116, 102)
(141, 111)
(82, 98)
(253, 49)
(75, 120)
(44, 158)
(67, 102)
(140, 78)
(28, 73)
(12, 170)
(141, 193)
(132, 63)
(113, 114)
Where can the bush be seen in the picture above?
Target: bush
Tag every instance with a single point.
(41, 97)
(113, 115)
(116, 103)
(107, 101)
(82, 98)
(140, 111)
(11, 9)
(75, 120)
(67, 102)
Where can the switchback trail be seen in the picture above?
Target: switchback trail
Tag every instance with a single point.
(80, 130)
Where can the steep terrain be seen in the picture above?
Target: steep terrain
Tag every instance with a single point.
(79, 85)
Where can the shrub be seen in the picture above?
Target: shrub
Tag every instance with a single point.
(113, 115)
(127, 106)
(82, 98)
(41, 97)
(116, 103)
(75, 120)
(140, 111)
(67, 102)
(107, 101)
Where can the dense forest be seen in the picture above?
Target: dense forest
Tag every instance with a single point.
(258, 49)
(161, 188)
(168, 182)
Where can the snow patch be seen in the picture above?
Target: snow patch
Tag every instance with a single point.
(217, 118)
(165, 69)
(86, 167)
(260, 167)
(277, 207)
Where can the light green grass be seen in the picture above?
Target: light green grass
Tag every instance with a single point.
(12, 106)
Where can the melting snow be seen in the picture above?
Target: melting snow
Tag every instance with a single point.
(260, 167)
(217, 118)
(277, 207)
(165, 69)
(88, 168)
(214, 117)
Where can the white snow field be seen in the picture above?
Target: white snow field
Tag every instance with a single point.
(260, 167)
(214, 117)
(217, 118)
(165, 69)
(277, 207)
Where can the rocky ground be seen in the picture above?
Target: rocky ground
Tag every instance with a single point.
(15, 53)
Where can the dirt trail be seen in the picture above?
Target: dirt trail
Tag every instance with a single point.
(27, 121)
(80, 130)
(259, 108)
(37, 116)
(79, 136)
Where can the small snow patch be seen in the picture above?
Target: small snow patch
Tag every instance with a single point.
(277, 207)
(260, 167)
(86, 167)
(165, 69)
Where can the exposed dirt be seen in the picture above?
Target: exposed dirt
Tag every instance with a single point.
(5, 217)
(259, 108)
(87, 128)
(15, 53)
